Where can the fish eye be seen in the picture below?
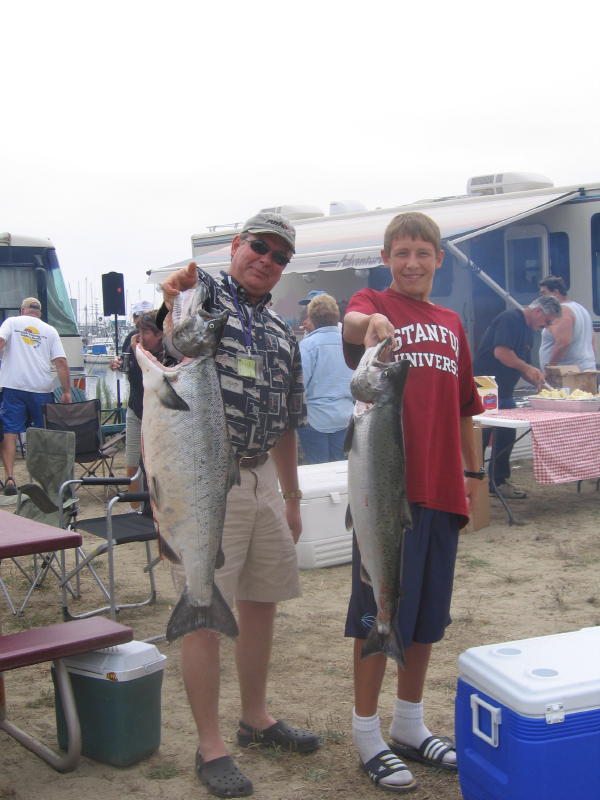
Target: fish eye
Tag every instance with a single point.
(211, 324)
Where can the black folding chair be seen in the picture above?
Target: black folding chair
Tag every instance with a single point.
(83, 418)
(113, 530)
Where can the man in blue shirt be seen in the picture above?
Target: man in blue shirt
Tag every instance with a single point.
(326, 382)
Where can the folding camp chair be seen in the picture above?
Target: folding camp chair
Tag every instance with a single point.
(114, 530)
(50, 460)
(83, 418)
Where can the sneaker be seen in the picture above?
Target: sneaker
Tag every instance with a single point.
(509, 491)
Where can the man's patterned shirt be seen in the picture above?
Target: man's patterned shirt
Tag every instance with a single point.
(260, 409)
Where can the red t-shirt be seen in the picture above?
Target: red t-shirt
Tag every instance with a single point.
(440, 389)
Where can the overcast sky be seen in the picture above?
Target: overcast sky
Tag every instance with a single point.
(126, 126)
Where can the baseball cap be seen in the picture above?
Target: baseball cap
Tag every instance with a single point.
(267, 222)
(310, 295)
(137, 309)
(31, 302)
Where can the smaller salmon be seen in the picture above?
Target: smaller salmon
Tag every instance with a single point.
(378, 508)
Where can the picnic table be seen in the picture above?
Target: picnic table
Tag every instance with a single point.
(20, 536)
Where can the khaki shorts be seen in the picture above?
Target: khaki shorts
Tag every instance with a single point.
(260, 555)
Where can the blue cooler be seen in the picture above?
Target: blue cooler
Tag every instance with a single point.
(528, 719)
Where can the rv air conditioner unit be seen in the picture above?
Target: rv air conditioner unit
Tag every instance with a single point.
(505, 182)
(295, 212)
(345, 207)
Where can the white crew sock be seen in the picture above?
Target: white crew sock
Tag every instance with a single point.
(409, 728)
(366, 734)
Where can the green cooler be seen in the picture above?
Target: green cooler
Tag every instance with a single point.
(117, 692)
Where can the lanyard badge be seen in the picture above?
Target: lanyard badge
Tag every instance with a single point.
(248, 364)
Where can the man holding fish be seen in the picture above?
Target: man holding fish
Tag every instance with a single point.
(259, 371)
(416, 374)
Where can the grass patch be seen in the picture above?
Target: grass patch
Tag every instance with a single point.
(475, 563)
(315, 775)
(162, 772)
(45, 699)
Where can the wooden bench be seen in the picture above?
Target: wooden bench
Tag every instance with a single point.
(53, 643)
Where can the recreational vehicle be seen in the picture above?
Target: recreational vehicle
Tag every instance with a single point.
(29, 268)
(506, 233)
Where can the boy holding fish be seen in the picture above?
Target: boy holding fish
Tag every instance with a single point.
(442, 476)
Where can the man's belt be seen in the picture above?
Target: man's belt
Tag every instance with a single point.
(249, 462)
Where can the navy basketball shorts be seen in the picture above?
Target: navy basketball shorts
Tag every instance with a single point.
(427, 577)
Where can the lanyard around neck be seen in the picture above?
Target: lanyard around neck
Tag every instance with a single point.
(245, 318)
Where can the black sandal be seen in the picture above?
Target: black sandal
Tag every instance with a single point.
(10, 487)
(431, 752)
(222, 778)
(280, 734)
(382, 766)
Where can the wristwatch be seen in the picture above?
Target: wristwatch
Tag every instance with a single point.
(480, 475)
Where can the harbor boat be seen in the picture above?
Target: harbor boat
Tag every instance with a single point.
(99, 351)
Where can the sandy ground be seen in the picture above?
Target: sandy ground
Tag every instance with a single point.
(533, 579)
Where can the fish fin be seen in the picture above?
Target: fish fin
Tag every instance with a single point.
(349, 436)
(349, 520)
(389, 644)
(187, 618)
(220, 559)
(169, 398)
(166, 551)
(364, 576)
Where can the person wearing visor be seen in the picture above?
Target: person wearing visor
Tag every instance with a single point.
(259, 366)
(29, 348)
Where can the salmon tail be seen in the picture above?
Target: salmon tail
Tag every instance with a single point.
(388, 643)
(187, 618)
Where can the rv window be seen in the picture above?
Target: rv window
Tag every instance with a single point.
(595, 231)
(525, 265)
(560, 265)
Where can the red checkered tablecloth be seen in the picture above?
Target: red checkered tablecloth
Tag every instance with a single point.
(566, 445)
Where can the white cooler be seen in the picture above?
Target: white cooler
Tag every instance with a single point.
(325, 541)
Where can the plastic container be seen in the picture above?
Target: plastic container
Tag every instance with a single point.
(557, 404)
(528, 718)
(325, 541)
(118, 696)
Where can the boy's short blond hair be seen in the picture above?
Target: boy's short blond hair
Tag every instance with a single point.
(415, 225)
(323, 310)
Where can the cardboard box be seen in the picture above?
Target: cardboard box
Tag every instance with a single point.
(524, 710)
(480, 509)
(118, 696)
(487, 389)
(570, 377)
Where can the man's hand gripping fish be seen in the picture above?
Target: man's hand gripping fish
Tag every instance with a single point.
(378, 508)
(189, 461)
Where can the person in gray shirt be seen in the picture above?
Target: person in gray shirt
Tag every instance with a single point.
(570, 338)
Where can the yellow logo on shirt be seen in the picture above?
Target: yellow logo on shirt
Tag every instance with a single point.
(31, 335)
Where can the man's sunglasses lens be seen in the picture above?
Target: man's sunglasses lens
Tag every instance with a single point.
(262, 248)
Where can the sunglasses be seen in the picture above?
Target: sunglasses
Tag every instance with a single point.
(262, 248)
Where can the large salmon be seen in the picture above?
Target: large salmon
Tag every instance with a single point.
(378, 509)
(189, 462)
